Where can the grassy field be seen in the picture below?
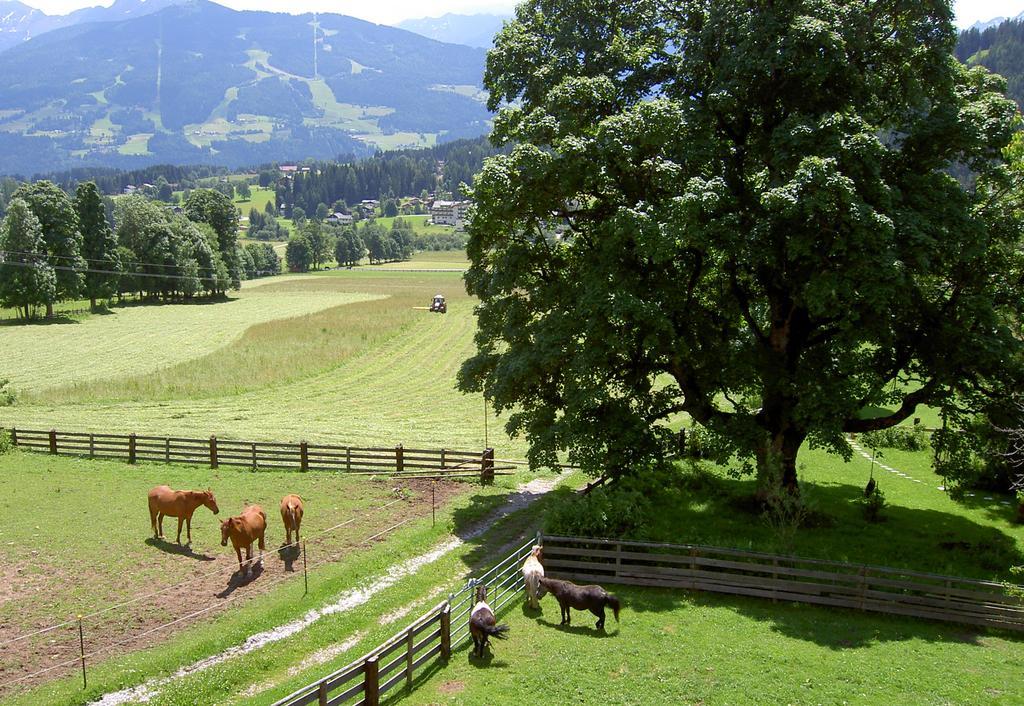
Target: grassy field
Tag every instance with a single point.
(90, 557)
(139, 340)
(49, 546)
(377, 372)
(680, 648)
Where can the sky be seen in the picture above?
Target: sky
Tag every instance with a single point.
(393, 11)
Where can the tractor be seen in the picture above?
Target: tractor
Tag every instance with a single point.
(439, 305)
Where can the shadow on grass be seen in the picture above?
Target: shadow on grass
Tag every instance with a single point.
(992, 504)
(179, 549)
(487, 661)
(587, 629)
(289, 554)
(240, 579)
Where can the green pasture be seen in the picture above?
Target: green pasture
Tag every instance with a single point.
(377, 372)
(259, 197)
(90, 547)
(143, 339)
(674, 647)
(420, 224)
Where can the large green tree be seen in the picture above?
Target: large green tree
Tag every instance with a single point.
(761, 227)
(26, 277)
(99, 246)
(218, 211)
(56, 213)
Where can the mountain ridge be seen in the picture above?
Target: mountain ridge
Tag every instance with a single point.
(473, 30)
(198, 82)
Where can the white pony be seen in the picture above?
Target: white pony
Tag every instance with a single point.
(533, 571)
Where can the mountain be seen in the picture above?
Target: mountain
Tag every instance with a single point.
(999, 48)
(201, 83)
(19, 22)
(470, 30)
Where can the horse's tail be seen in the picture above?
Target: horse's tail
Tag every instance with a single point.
(613, 601)
(498, 631)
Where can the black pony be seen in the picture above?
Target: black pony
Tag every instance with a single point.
(592, 598)
(482, 623)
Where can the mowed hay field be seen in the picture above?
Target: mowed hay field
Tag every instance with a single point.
(374, 371)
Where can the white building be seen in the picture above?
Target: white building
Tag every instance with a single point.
(449, 213)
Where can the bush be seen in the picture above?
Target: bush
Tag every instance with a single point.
(872, 505)
(902, 438)
(620, 509)
(6, 444)
(7, 397)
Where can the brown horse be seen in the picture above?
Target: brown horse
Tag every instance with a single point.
(291, 516)
(243, 530)
(482, 623)
(592, 598)
(177, 503)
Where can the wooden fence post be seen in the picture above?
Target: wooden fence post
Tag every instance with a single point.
(371, 682)
(213, 451)
(348, 458)
(14, 436)
(408, 659)
(303, 456)
(92, 445)
(442, 459)
(167, 449)
(131, 448)
(487, 466)
(399, 459)
(446, 631)
(254, 464)
(53, 441)
(321, 693)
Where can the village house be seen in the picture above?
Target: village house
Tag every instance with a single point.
(449, 213)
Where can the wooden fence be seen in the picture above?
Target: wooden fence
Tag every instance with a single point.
(433, 635)
(390, 461)
(786, 578)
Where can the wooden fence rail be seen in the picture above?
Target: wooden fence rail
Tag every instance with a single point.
(391, 461)
(364, 680)
(788, 578)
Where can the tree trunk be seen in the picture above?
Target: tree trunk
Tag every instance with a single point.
(49, 310)
(776, 461)
(92, 303)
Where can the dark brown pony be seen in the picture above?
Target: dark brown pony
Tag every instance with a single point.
(482, 623)
(592, 598)
(243, 530)
(291, 515)
(177, 503)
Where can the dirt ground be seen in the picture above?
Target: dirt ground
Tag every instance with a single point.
(209, 582)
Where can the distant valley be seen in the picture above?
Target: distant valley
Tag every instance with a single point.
(201, 83)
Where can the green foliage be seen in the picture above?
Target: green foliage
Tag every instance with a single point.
(26, 277)
(262, 260)
(902, 438)
(7, 396)
(872, 505)
(6, 445)
(298, 254)
(748, 242)
(621, 509)
(59, 224)
(99, 246)
(349, 248)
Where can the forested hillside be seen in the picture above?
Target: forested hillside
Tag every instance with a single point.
(201, 83)
(999, 49)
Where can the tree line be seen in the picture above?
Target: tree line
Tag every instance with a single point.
(315, 242)
(54, 247)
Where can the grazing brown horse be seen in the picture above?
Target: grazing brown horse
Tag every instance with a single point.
(243, 530)
(291, 515)
(177, 503)
(482, 623)
(592, 598)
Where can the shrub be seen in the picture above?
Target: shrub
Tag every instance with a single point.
(902, 438)
(7, 397)
(5, 442)
(621, 509)
(872, 505)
